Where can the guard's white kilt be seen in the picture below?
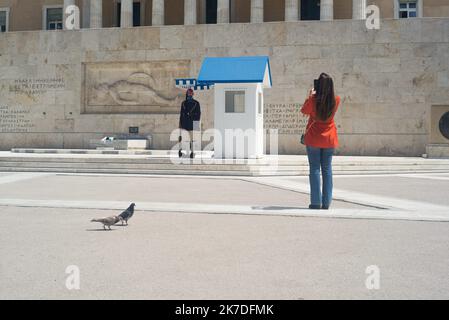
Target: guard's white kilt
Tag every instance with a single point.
(196, 125)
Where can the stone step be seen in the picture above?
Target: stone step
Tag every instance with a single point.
(41, 163)
(302, 161)
(126, 171)
(163, 156)
(123, 159)
(113, 165)
(203, 172)
(162, 163)
(189, 170)
(441, 168)
(104, 151)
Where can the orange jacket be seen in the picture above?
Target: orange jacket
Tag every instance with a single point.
(320, 134)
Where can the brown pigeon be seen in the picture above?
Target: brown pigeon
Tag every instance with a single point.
(107, 222)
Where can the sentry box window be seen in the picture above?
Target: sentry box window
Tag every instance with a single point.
(235, 101)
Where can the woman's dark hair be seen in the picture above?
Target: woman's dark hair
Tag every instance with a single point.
(325, 97)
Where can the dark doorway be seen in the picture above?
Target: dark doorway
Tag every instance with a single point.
(118, 14)
(310, 9)
(136, 14)
(211, 11)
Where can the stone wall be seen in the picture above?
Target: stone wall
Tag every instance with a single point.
(388, 80)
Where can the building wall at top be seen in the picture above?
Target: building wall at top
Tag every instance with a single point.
(27, 14)
(388, 79)
(436, 8)
(108, 13)
(240, 10)
(343, 9)
(386, 7)
(174, 12)
(274, 10)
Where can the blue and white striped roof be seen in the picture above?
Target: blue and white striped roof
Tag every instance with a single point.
(187, 83)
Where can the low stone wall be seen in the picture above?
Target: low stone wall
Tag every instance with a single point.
(61, 89)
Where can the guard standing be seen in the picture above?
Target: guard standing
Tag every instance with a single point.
(189, 118)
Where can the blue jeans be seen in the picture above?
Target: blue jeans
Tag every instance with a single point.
(320, 158)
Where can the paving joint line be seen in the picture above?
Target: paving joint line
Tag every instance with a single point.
(285, 188)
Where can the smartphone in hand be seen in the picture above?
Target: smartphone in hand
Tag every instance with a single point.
(316, 84)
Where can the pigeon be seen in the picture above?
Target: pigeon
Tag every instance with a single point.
(127, 214)
(107, 139)
(109, 221)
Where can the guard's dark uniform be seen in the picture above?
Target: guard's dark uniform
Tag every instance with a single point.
(190, 111)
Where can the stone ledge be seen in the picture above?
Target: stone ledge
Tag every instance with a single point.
(437, 151)
(120, 144)
(107, 151)
(81, 151)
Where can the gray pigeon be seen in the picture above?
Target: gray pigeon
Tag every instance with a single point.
(107, 222)
(127, 214)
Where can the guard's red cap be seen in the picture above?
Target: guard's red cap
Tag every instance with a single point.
(190, 91)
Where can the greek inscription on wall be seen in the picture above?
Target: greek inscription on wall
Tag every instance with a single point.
(15, 119)
(36, 86)
(285, 117)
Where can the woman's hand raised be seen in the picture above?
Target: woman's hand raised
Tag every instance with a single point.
(312, 92)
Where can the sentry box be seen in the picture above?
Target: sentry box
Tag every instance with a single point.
(239, 83)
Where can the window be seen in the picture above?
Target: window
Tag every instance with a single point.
(211, 11)
(136, 14)
(235, 101)
(408, 9)
(4, 17)
(310, 10)
(259, 103)
(53, 18)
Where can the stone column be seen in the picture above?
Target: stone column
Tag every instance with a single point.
(189, 12)
(223, 11)
(292, 10)
(359, 9)
(66, 4)
(256, 11)
(96, 14)
(158, 13)
(126, 14)
(327, 10)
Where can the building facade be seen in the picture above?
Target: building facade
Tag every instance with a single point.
(67, 88)
(26, 15)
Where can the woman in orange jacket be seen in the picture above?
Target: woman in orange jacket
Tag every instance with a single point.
(321, 139)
